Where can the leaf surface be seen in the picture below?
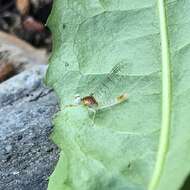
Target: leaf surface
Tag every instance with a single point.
(110, 47)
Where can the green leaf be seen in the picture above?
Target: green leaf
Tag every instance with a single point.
(110, 48)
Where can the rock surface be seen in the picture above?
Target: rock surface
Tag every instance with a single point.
(27, 156)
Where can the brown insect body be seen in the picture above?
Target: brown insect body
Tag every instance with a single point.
(89, 101)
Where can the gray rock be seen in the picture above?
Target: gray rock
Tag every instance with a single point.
(27, 156)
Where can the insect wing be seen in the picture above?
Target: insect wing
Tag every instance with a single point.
(106, 92)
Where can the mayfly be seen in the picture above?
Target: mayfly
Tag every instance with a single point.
(115, 80)
(103, 89)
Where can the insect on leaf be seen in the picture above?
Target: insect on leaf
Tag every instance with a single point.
(110, 48)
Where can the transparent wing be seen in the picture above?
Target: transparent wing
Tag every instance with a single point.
(107, 90)
(118, 86)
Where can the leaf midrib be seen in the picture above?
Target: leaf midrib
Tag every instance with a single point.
(166, 97)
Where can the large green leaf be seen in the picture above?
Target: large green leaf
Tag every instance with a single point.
(110, 47)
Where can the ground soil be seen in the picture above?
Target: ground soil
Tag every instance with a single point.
(26, 19)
